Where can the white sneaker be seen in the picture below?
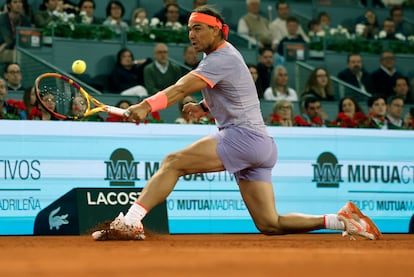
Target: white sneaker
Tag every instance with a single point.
(356, 223)
(119, 230)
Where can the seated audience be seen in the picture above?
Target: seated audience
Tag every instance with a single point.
(292, 25)
(9, 22)
(401, 88)
(115, 11)
(254, 27)
(30, 101)
(377, 111)
(367, 26)
(161, 14)
(402, 26)
(279, 88)
(355, 74)
(282, 113)
(265, 66)
(312, 114)
(127, 77)
(350, 114)
(172, 17)
(394, 116)
(256, 78)
(13, 75)
(87, 13)
(46, 13)
(161, 73)
(319, 85)
(383, 77)
(278, 26)
(139, 18)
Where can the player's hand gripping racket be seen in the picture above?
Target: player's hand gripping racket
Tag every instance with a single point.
(65, 99)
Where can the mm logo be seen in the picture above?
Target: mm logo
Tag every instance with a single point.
(327, 171)
(121, 170)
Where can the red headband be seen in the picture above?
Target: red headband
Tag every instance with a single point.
(210, 21)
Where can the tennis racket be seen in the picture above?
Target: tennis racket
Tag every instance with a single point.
(67, 100)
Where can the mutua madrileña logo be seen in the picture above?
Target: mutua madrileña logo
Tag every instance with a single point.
(327, 172)
(121, 169)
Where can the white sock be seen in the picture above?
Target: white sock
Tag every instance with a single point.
(135, 213)
(332, 223)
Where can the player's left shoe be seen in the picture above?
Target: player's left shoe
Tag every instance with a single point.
(119, 230)
(356, 223)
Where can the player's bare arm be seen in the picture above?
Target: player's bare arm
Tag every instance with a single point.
(186, 85)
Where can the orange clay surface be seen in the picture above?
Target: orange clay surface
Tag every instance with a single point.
(208, 255)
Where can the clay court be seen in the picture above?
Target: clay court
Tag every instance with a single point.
(208, 255)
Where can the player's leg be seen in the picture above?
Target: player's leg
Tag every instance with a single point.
(200, 156)
(260, 201)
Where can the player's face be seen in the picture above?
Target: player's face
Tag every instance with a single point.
(202, 36)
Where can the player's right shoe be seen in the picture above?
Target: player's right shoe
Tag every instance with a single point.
(356, 223)
(119, 230)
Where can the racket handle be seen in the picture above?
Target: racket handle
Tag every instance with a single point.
(117, 111)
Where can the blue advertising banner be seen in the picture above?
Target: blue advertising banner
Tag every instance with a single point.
(318, 170)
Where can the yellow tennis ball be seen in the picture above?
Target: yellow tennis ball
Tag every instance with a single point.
(79, 66)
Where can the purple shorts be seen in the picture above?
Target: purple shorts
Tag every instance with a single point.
(248, 155)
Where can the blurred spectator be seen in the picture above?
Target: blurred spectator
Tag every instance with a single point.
(13, 75)
(46, 13)
(377, 111)
(78, 108)
(367, 26)
(401, 88)
(282, 113)
(256, 78)
(254, 27)
(87, 13)
(312, 114)
(383, 77)
(394, 116)
(161, 14)
(172, 16)
(49, 100)
(27, 10)
(115, 11)
(279, 89)
(191, 58)
(319, 85)
(402, 26)
(278, 26)
(388, 30)
(350, 114)
(292, 25)
(355, 74)
(127, 76)
(314, 28)
(66, 7)
(29, 100)
(139, 18)
(161, 73)
(265, 66)
(324, 20)
(9, 22)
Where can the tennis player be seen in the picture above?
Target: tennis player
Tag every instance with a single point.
(242, 145)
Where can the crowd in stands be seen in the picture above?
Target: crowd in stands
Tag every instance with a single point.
(143, 77)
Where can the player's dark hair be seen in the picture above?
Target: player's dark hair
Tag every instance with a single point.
(206, 9)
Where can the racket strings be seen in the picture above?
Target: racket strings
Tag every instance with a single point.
(61, 97)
